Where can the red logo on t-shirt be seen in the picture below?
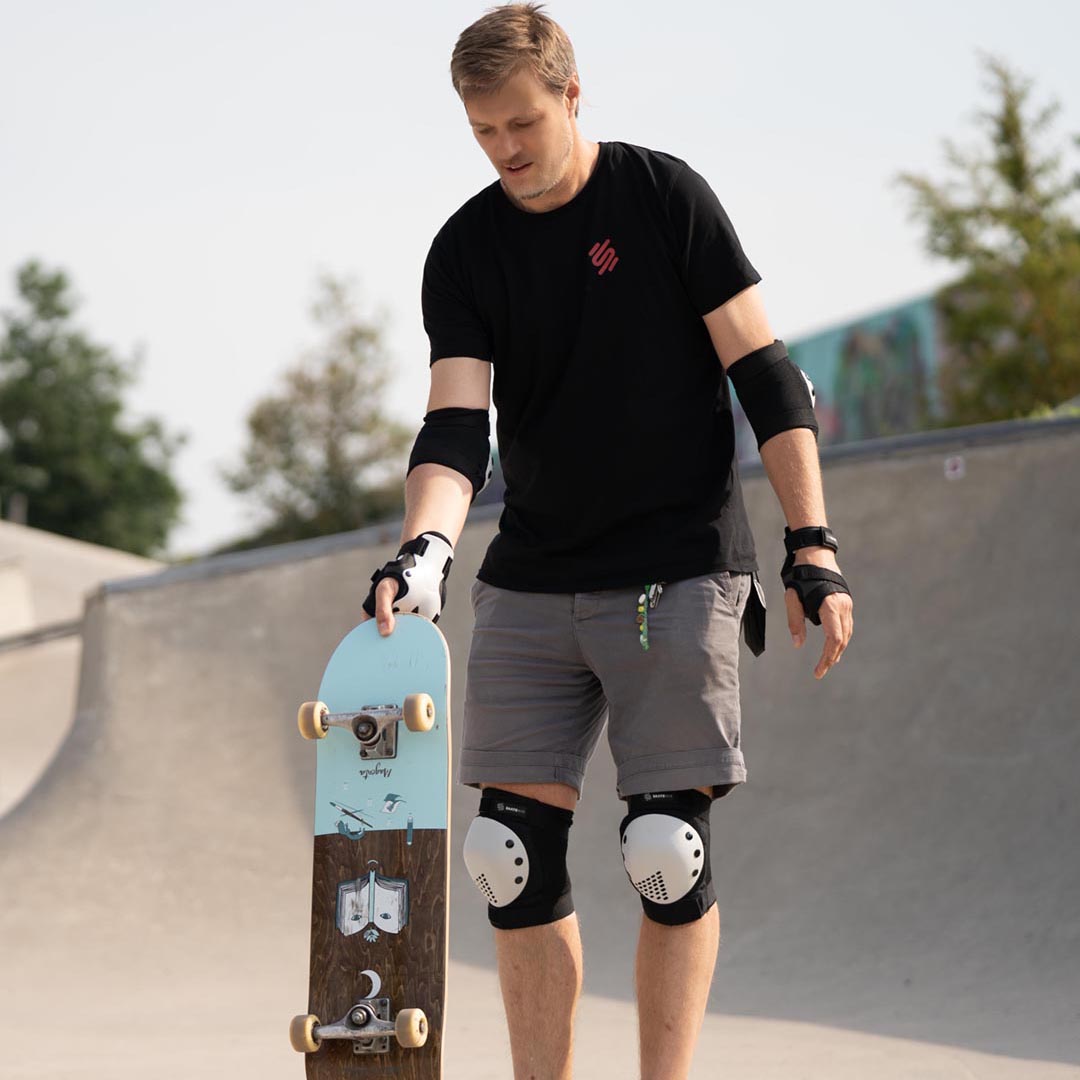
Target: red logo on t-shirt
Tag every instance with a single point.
(603, 256)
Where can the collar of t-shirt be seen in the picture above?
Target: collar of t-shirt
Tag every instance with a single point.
(511, 212)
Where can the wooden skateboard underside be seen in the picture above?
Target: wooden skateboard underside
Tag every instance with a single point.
(412, 964)
(380, 868)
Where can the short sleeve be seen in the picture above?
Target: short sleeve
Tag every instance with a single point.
(453, 324)
(711, 260)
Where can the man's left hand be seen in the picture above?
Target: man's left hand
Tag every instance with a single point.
(836, 612)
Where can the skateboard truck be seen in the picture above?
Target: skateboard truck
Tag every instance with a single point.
(373, 726)
(367, 1025)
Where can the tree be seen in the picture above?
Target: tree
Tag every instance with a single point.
(321, 456)
(65, 454)
(1011, 346)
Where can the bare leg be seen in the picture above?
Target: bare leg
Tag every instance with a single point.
(674, 972)
(540, 975)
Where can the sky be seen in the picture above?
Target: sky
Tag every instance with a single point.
(194, 167)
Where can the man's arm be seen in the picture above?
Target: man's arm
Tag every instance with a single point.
(437, 498)
(737, 329)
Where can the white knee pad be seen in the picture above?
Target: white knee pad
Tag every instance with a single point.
(496, 860)
(664, 857)
(665, 849)
(515, 851)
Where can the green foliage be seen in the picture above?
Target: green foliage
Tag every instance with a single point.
(321, 457)
(63, 445)
(1070, 410)
(1007, 220)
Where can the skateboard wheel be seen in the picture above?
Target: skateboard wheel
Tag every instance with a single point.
(419, 712)
(410, 1027)
(302, 1034)
(310, 720)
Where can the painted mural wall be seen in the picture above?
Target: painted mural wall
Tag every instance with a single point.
(874, 376)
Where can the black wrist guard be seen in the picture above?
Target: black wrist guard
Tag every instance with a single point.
(811, 536)
(811, 583)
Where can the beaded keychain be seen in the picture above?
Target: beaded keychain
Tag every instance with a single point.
(648, 599)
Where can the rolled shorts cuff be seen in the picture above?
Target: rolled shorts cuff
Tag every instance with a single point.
(680, 770)
(521, 767)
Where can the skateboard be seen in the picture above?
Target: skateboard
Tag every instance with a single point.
(377, 978)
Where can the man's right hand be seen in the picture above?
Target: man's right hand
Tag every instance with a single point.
(413, 581)
(385, 593)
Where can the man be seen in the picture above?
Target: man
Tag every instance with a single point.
(603, 287)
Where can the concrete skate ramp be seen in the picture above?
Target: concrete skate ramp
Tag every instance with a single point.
(57, 572)
(898, 880)
(38, 687)
(44, 581)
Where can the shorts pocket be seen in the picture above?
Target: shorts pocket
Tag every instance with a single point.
(734, 589)
(727, 584)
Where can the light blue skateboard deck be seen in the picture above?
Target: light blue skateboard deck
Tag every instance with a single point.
(381, 845)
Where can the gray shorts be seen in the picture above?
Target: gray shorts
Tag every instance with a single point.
(547, 669)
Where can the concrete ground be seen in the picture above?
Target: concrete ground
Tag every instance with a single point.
(898, 879)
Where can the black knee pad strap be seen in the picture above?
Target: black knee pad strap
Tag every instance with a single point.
(692, 807)
(544, 830)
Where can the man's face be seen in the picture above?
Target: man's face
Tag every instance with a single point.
(527, 133)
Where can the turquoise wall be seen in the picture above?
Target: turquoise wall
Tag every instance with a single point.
(873, 376)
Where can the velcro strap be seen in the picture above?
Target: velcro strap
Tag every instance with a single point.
(393, 569)
(812, 584)
(811, 536)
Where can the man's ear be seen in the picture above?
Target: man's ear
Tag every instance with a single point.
(573, 96)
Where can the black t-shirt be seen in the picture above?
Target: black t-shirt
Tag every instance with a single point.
(615, 431)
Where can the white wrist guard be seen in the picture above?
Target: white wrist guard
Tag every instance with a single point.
(420, 570)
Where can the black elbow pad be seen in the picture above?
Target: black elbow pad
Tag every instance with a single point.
(458, 438)
(775, 394)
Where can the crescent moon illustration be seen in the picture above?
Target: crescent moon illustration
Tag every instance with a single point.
(376, 982)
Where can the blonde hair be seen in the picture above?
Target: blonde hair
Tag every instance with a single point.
(507, 39)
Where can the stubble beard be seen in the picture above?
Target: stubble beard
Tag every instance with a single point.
(560, 174)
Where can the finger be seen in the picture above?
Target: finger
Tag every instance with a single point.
(796, 618)
(833, 626)
(830, 653)
(385, 595)
(829, 627)
(847, 622)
